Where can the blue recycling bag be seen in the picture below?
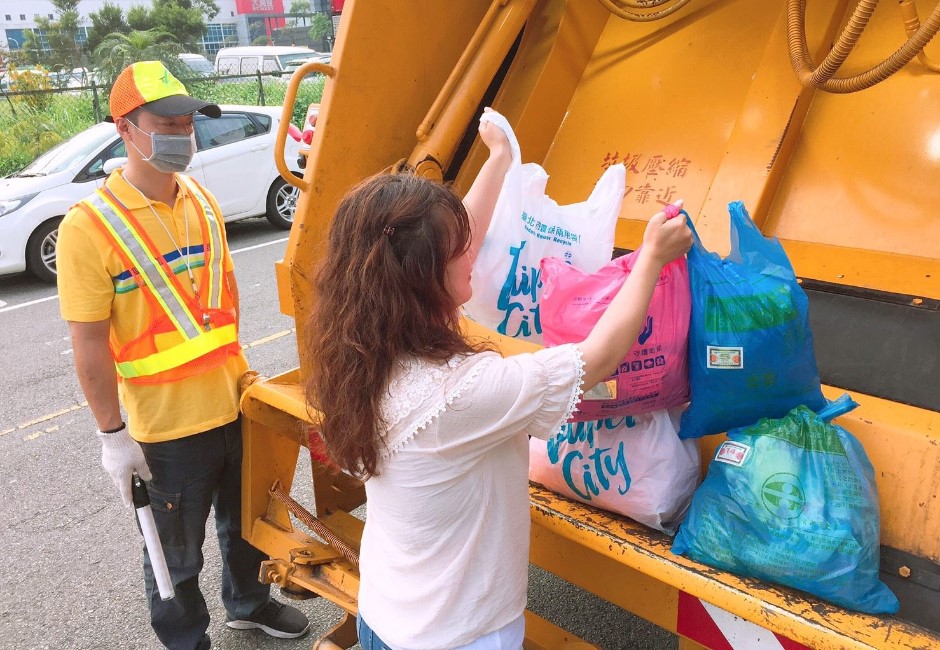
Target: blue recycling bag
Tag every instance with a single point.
(750, 344)
(793, 501)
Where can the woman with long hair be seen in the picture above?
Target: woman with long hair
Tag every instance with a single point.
(435, 424)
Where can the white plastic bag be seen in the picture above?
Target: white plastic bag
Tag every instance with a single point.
(527, 225)
(635, 466)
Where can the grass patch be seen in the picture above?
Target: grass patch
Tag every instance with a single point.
(31, 128)
(29, 131)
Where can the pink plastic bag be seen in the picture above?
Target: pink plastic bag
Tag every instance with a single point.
(655, 373)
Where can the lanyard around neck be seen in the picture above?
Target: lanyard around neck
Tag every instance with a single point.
(183, 258)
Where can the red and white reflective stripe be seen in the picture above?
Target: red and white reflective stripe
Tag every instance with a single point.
(718, 629)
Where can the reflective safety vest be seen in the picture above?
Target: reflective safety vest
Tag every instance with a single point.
(187, 334)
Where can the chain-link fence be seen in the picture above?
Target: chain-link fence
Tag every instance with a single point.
(35, 120)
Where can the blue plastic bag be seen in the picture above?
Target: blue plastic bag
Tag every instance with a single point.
(750, 345)
(793, 501)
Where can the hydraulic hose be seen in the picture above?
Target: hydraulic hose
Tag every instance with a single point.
(616, 7)
(643, 4)
(822, 77)
(911, 25)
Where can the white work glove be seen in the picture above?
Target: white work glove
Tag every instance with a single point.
(121, 456)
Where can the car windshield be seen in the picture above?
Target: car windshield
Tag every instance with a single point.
(296, 63)
(202, 66)
(285, 59)
(73, 150)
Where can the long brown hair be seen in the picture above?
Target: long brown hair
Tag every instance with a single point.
(381, 296)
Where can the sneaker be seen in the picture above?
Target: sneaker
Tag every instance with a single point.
(275, 619)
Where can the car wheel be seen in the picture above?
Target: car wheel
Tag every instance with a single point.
(41, 250)
(282, 201)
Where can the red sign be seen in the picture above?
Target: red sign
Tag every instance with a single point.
(338, 6)
(259, 6)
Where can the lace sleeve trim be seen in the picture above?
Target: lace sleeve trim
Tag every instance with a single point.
(563, 372)
(407, 435)
(576, 392)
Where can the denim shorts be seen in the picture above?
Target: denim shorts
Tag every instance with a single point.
(510, 635)
(368, 639)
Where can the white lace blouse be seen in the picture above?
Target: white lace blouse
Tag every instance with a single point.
(444, 556)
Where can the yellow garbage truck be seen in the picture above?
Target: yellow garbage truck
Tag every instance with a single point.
(821, 117)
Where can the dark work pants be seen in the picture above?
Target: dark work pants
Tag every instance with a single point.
(190, 475)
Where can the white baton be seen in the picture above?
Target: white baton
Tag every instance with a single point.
(151, 538)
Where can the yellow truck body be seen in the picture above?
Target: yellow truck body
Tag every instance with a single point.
(702, 103)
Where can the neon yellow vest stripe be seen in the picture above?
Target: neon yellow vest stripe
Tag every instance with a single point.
(196, 341)
(179, 355)
(151, 271)
(214, 246)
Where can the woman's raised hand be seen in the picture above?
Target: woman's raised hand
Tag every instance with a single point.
(495, 139)
(667, 238)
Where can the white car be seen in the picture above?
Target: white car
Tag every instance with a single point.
(235, 161)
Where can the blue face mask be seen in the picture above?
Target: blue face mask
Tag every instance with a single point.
(169, 153)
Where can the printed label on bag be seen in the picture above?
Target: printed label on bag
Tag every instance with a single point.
(604, 390)
(725, 358)
(519, 293)
(590, 471)
(556, 234)
(733, 453)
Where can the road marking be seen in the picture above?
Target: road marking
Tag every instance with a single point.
(4, 308)
(37, 434)
(27, 304)
(273, 337)
(44, 418)
(77, 407)
(267, 243)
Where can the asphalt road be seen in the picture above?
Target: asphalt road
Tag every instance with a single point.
(70, 554)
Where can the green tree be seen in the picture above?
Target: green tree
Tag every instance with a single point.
(320, 31)
(63, 51)
(298, 7)
(185, 22)
(29, 80)
(117, 51)
(11, 58)
(139, 19)
(208, 8)
(107, 20)
(185, 19)
(33, 50)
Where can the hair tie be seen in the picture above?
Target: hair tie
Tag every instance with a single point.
(388, 231)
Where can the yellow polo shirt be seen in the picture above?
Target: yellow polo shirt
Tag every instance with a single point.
(95, 285)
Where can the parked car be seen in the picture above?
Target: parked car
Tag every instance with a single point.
(74, 78)
(234, 161)
(198, 64)
(252, 58)
(319, 57)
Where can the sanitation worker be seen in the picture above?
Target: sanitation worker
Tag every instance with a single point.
(147, 286)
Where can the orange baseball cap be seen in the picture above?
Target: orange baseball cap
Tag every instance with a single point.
(150, 85)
